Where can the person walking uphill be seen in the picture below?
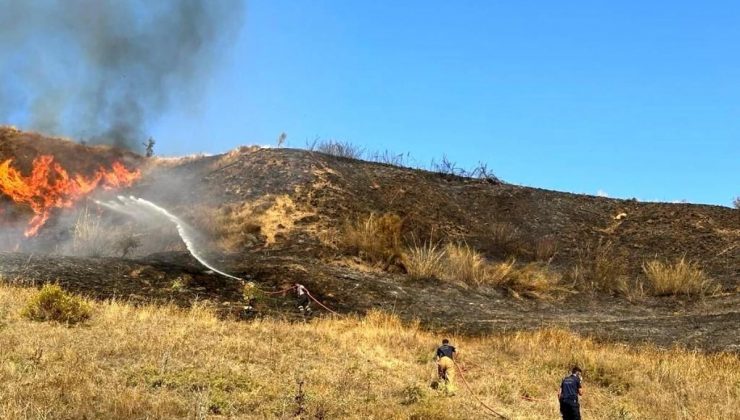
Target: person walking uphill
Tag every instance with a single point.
(570, 390)
(446, 365)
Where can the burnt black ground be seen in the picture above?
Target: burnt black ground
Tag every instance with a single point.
(707, 324)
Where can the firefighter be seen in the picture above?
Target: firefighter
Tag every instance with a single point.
(570, 390)
(445, 358)
(304, 303)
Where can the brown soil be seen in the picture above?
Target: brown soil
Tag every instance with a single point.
(298, 200)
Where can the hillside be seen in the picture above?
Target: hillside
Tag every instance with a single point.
(276, 216)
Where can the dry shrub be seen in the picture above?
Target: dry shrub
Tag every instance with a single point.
(461, 263)
(51, 303)
(601, 268)
(545, 249)
(234, 227)
(736, 203)
(374, 238)
(424, 261)
(498, 273)
(465, 264)
(338, 148)
(680, 278)
(90, 238)
(506, 239)
(533, 280)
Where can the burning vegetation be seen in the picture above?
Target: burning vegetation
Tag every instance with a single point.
(51, 186)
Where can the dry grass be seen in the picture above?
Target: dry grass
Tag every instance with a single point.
(235, 227)
(163, 362)
(425, 261)
(89, 237)
(462, 264)
(680, 278)
(374, 238)
(602, 268)
(535, 280)
(545, 249)
(337, 148)
(506, 238)
(465, 264)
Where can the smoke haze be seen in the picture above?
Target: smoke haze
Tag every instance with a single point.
(102, 70)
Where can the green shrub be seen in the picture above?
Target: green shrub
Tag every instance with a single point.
(51, 303)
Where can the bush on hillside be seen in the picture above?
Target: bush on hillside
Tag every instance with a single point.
(51, 303)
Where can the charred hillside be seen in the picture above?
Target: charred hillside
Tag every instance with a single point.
(277, 216)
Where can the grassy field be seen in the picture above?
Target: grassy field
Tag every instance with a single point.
(163, 362)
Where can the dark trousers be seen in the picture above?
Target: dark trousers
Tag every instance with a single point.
(570, 409)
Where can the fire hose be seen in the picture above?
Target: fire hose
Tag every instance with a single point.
(459, 370)
(467, 385)
(307, 292)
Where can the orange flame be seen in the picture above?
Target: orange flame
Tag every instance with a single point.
(49, 186)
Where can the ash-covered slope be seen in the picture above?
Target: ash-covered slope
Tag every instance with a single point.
(325, 191)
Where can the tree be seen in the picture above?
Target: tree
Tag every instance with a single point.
(149, 147)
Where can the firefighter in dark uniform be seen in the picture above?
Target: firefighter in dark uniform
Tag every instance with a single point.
(570, 390)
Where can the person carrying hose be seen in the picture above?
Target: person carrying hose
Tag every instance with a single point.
(446, 365)
(303, 301)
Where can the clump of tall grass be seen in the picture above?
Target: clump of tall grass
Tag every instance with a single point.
(506, 239)
(534, 279)
(465, 264)
(601, 267)
(424, 261)
(460, 263)
(376, 238)
(679, 278)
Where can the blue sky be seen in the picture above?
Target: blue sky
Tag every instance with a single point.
(631, 98)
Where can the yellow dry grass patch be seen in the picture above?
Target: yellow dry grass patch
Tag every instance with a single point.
(163, 362)
(679, 278)
(279, 218)
(237, 226)
(463, 264)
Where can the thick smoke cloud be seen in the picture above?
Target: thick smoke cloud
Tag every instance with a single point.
(102, 70)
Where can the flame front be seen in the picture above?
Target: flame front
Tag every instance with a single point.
(50, 186)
